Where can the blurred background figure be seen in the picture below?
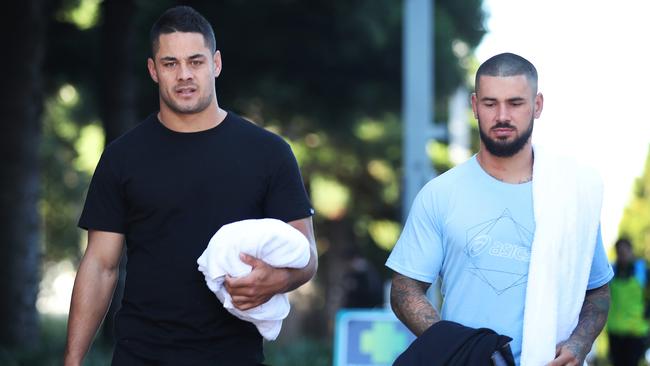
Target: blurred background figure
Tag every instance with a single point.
(627, 324)
(362, 284)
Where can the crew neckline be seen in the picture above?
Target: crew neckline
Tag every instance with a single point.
(495, 180)
(161, 126)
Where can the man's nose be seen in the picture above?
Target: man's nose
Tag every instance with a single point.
(184, 72)
(503, 113)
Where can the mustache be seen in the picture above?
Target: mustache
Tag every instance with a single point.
(503, 125)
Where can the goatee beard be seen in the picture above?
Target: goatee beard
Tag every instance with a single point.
(504, 149)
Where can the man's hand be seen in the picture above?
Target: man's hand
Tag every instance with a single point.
(258, 286)
(569, 353)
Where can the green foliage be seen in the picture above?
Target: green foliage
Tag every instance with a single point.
(84, 13)
(69, 152)
(49, 348)
(301, 352)
(635, 223)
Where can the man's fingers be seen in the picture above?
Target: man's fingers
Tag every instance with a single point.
(242, 285)
(256, 287)
(231, 282)
(242, 302)
(564, 358)
(245, 302)
(249, 259)
(244, 307)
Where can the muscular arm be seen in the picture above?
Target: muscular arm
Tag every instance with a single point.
(265, 281)
(300, 276)
(410, 304)
(92, 292)
(593, 317)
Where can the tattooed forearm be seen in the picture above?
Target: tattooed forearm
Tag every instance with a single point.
(410, 304)
(593, 317)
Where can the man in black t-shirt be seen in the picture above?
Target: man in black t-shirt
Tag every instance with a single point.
(164, 188)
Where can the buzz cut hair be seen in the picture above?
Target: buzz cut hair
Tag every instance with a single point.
(182, 19)
(507, 64)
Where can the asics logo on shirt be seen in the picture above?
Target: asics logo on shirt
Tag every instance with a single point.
(498, 248)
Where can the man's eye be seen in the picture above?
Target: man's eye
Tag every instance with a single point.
(196, 63)
(169, 64)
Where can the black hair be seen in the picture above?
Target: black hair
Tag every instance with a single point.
(623, 242)
(507, 64)
(182, 19)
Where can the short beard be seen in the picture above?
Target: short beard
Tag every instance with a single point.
(502, 148)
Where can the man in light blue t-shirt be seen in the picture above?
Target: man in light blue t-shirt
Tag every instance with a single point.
(473, 226)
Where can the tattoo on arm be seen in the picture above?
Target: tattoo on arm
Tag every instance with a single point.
(593, 317)
(410, 304)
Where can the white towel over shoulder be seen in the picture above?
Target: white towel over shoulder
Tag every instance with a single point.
(567, 199)
(273, 241)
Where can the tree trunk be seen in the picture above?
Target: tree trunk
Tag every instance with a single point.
(118, 95)
(335, 266)
(21, 103)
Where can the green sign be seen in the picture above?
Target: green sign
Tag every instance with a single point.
(369, 338)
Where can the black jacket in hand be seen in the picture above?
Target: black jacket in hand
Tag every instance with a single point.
(448, 343)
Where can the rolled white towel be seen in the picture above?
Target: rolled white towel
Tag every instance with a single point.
(272, 241)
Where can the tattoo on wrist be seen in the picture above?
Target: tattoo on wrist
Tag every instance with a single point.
(593, 317)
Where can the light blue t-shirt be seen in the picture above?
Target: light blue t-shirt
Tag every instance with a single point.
(475, 233)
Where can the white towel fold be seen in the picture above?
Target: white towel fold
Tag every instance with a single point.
(567, 199)
(273, 241)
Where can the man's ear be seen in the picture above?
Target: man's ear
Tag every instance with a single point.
(539, 104)
(218, 66)
(474, 105)
(151, 66)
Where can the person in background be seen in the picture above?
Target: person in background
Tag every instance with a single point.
(627, 324)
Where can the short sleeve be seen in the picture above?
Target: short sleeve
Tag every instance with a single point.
(418, 252)
(105, 206)
(601, 271)
(286, 198)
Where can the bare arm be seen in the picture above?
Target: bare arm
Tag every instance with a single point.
(409, 302)
(298, 277)
(265, 281)
(593, 317)
(92, 292)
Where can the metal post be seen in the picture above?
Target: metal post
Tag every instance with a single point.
(459, 131)
(418, 97)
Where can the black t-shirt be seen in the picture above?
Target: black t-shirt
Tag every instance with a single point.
(168, 193)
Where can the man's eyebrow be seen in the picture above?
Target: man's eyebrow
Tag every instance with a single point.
(513, 99)
(172, 58)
